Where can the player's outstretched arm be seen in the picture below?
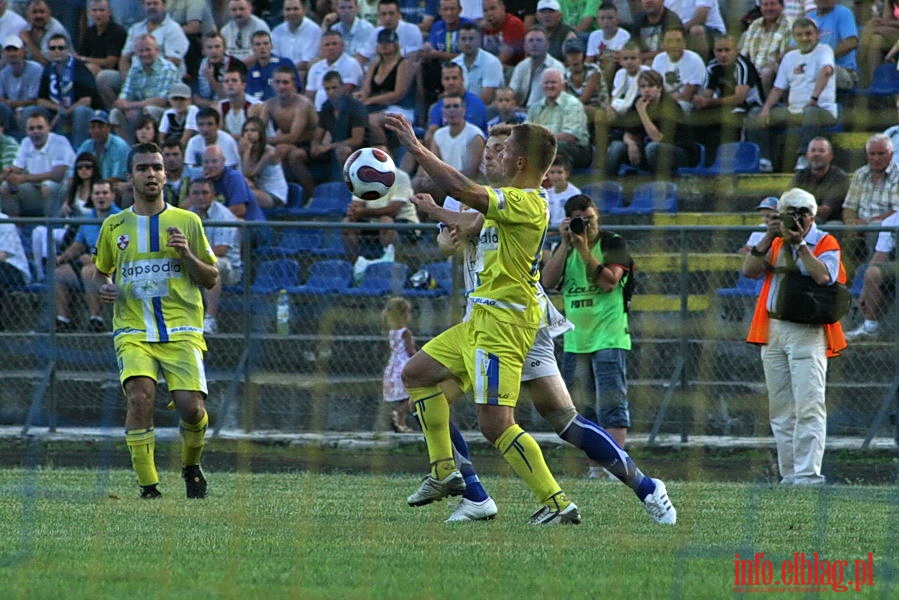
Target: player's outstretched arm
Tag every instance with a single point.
(451, 181)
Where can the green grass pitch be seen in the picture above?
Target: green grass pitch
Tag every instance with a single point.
(75, 533)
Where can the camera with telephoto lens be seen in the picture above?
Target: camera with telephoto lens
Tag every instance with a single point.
(577, 225)
(788, 218)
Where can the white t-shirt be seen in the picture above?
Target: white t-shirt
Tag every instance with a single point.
(453, 149)
(193, 154)
(689, 70)
(597, 44)
(486, 71)
(686, 9)
(299, 46)
(797, 74)
(11, 243)
(624, 89)
(410, 40)
(348, 67)
(557, 203)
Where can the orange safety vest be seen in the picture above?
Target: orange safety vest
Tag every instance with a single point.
(758, 329)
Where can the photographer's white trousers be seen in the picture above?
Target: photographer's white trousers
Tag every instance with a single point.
(795, 363)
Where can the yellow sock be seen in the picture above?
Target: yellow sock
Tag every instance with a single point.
(193, 438)
(524, 455)
(142, 446)
(434, 414)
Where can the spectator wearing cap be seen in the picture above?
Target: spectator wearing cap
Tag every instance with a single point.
(549, 17)
(767, 208)
(68, 91)
(563, 114)
(650, 25)
(11, 22)
(502, 33)
(827, 182)
(20, 82)
(298, 38)
(148, 82)
(794, 355)
(101, 44)
(31, 185)
(238, 32)
(483, 71)
(261, 66)
(41, 27)
(390, 18)
(527, 75)
(333, 59)
(389, 87)
(179, 121)
(702, 20)
(110, 150)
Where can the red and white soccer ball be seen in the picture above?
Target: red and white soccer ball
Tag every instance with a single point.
(369, 173)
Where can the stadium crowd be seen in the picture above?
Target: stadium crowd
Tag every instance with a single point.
(255, 97)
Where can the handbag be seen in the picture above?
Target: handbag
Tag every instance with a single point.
(801, 300)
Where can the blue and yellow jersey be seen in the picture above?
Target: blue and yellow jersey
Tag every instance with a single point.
(157, 299)
(509, 248)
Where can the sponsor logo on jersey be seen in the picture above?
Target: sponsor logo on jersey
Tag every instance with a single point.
(150, 269)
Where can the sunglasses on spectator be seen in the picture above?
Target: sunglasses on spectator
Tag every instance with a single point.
(57, 47)
(84, 166)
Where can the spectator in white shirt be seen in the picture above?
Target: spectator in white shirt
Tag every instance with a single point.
(210, 134)
(298, 37)
(238, 32)
(357, 32)
(483, 71)
(333, 59)
(683, 70)
(32, 184)
(389, 17)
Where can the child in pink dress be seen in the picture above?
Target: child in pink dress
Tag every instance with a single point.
(396, 316)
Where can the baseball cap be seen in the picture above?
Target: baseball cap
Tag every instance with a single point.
(770, 202)
(797, 198)
(179, 90)
(388, 36)
(548, 5)
(99, 115)
(573, 45)
(13, 40)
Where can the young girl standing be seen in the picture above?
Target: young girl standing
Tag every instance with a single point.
(396, 316)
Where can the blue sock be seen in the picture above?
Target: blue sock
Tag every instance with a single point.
(474, 491)
(598, 445)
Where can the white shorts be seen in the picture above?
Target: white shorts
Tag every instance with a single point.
(541, 358)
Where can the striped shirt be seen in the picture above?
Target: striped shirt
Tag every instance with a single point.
(155, 82)
(869, 198)
(766, 47)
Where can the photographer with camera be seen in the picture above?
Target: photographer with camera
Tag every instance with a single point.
(593, 268)
(796, 323)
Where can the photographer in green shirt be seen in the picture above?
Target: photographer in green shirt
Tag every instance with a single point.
(593, 269)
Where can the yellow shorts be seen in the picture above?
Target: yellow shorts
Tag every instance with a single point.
(181, 363)
(485, 355)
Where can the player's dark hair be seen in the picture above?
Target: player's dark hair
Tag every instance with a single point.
(142, 148)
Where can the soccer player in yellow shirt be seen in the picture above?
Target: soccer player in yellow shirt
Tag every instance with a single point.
(487, 351)
(152, 261)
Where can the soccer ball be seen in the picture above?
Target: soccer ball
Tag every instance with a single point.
(369, 173)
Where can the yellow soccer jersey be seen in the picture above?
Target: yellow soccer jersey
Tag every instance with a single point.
(510, 244)
(157, 299)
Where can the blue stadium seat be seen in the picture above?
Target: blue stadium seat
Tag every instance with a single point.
(329, 200)
(381, 279)
(275, 275)
(606, 195)
(442, 273)
(885, 81)
(292, 208)
(292, 243)
(651, 197)
(744, 287)
(326, 277)
(730, 159)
